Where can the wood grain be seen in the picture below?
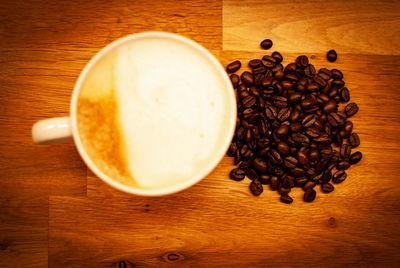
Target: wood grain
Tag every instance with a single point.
(56, 213)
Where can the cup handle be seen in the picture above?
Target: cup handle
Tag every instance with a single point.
(52, 130)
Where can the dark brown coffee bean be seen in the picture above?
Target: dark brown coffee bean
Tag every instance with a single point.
(271, 112)
(300, 181)
(246, 125)
(344, 94)
(254, 91)
(298, 172)
(337, 74)
(336, 120)
(296, 127)
(314, 155)
(283, 190)
(309, 185)
(232, 149)
(321, 165)
(266, 44)
(351, 109)
(279, 74)
(300, 138)
(355, 158)
(320, 81)
(277, 56)
(233, 66)
(249, 101)
(278, 171)
(256, 188)
(339, 176)
(268, 61)
(284, 114)
(251, 174)
(312, 87)
(294, 115)
(331, 55)
(323, 137)
(309, 101)
(237, 158)
(283, 148)
(287, 181)
(275, 183)
(312, 132)
(309, 195)
(345, 151)
(354, 140)
(337, 84)
(290, 68)
(327, 187)
(280, 101)
(325, 74)
(330, 107)
(286, 199)
(309, 120)
(255, 63)
(244, 165)
(263, 142)
(343, 165)
(259, 70)
(274, 157)
(247, 78)
(290, 162)
(264, 179)
(302, 61)
(235, 80)
(282, 131)
(237, 174)
(302, 157)
(286, 84)
(260, 165)
(294, 97)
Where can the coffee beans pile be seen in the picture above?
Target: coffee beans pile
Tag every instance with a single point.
(289, 130)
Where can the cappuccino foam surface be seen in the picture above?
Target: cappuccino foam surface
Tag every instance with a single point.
(169, 118)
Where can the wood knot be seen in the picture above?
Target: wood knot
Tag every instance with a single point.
(124, 264)
(332, 222)
(173, 257)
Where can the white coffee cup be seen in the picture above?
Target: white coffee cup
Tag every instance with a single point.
(61, 129)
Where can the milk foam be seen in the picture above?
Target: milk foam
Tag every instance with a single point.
(171, 110)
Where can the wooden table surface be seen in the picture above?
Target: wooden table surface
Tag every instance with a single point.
(54, 212)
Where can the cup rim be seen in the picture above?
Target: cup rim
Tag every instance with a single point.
(192, 180)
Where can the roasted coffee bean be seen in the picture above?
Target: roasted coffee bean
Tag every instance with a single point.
(283, 190)
(339, 176)
(309, 101)
(344, 94)
(322, 138)
(283, 148)
(300, 138)
(255, 63)
(343, 165)
(314, 155)
(246, 125)
(284, 114)
(309, 120)
(300, 181)
(286, 199)
(330, 107)
(294, 97)
(278, 171)
(296, 127)
(337, 74)
(274, 157)
(331, 55)
(282, 131)
(354, 140)
(266, 44)
(260, 165)
(263, 152)
(259, 70)
(280, 102)
(237, 158)
(251, 174)
(271, 112)
(355, 158)
(266, 82)
(232, 149)
(302, 61)
(268, 61)
(351, 109)
(249, 101)
(324, 98)
(277, 56)
(309, 195)
(327, 187)
(286, 84)
(309, 185)
(247, 78)
(294, 115)
(287, 181)
(235, 80)
(345, 151)
(279, 74)
(244, 165)
(237, 174)
(302, 158)
(290, 68)
(262, 127)
(338, 84)
(290, 162)
(254, 91)
(320, 81)
(312, 87)
(256, 188)
(233, 66)
(325, 74)
(264, 179)
(275, 183)
(298, 172)
(312, 132)
(336, 120)
(263, 142)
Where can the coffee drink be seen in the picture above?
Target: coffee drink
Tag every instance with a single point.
(153, 112)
